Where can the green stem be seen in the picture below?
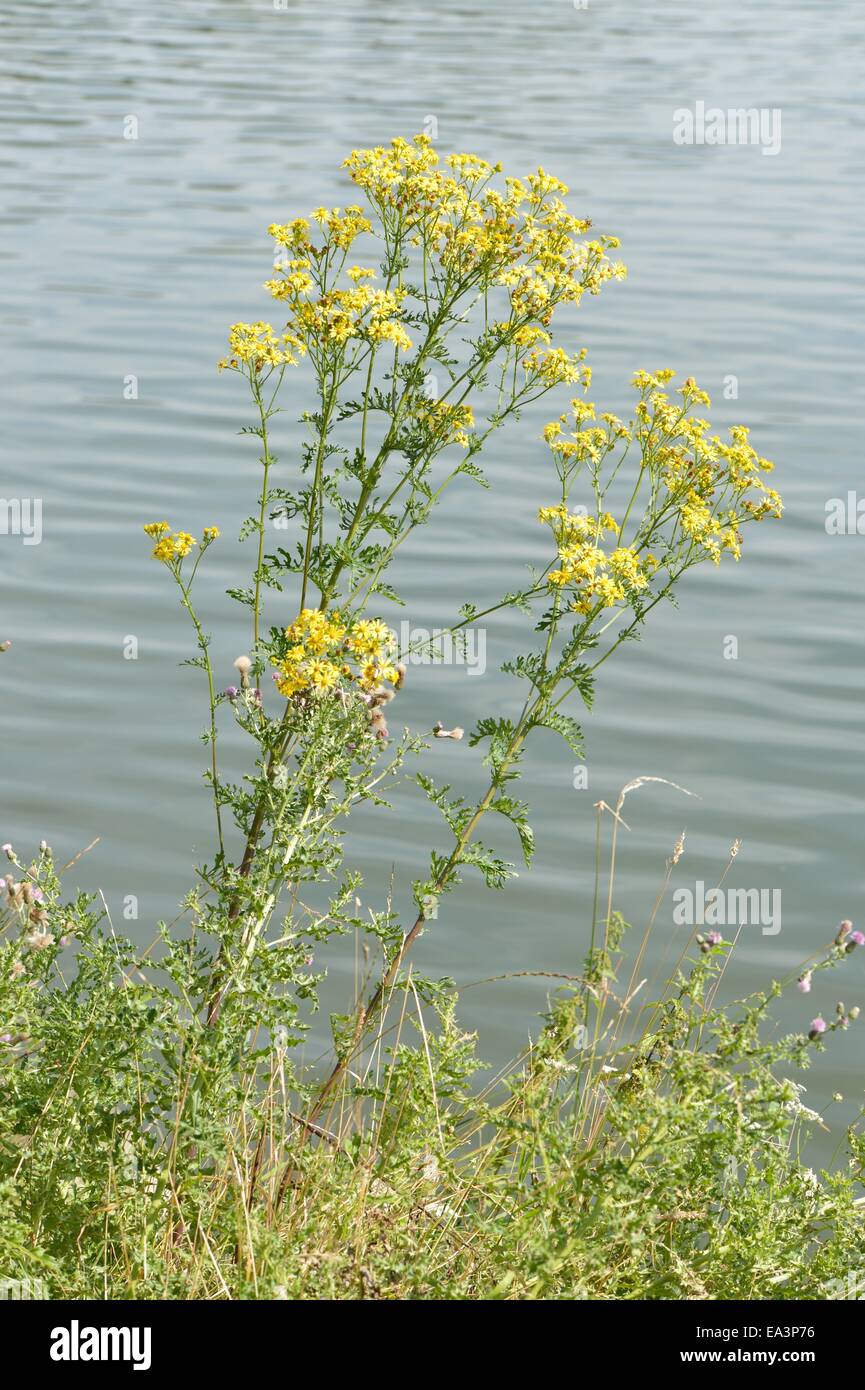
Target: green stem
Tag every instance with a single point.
(203, 646)
(266, 462)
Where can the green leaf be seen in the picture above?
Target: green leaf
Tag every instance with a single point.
(563, 725)
(500, 733)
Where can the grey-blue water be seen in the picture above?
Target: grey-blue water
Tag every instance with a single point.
(129, 257)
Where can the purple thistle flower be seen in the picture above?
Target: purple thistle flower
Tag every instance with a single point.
(714, 938)
(856, 939)
(231, 692)
(818, 1026)
(804, 982)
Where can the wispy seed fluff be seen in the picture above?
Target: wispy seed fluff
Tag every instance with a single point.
(378, 724)
(243, 666)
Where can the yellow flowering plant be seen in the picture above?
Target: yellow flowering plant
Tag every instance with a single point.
(375, 299)
(154, 1135)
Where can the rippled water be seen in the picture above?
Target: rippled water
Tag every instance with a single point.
(129, 258)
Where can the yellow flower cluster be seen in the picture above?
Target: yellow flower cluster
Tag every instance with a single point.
(169, 547)
(702, 473)
(258, 346)
(587, 441)
(293, 235)
(296, 280)
(342, 229)
(555, 367)
(584, 564)
(372, 315)
(174, 547)
(387, 174)
(523, 239)
(450, 423)
(702, 489)
(325, 653)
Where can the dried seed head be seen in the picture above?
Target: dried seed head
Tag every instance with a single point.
(734, 848)
(243, 666)
(38, 939)
(377, 724)
(679, 849)
(439, 731)
(400, 669)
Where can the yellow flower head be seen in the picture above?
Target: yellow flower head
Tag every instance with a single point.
(164, 549)
(322, 675)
